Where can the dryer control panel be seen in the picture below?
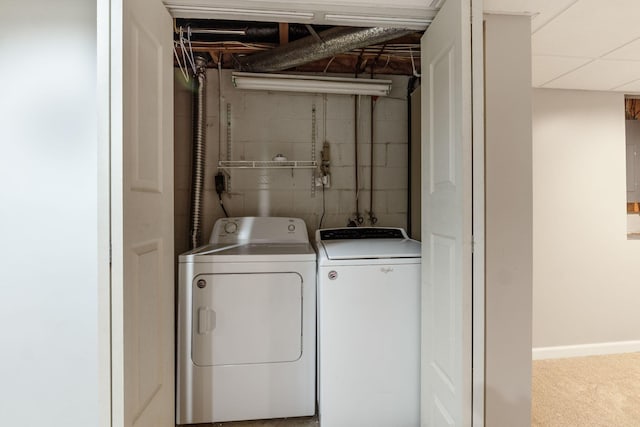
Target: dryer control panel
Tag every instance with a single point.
(240, 230)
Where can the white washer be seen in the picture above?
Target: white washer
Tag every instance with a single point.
(246, 323)
(368, 328)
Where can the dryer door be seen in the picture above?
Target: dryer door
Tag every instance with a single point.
(246, 318)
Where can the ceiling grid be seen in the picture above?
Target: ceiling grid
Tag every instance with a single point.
(581, 44)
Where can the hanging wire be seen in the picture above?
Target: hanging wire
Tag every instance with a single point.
(323, 207)
(192, 60)
(186, 49)
(413, 65)
(182, 69)
(328, 64)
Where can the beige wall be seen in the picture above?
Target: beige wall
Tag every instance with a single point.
(586, 287)
(508, 220)
(49, 215)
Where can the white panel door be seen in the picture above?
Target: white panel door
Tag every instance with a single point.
(447, 218)
(142, 215)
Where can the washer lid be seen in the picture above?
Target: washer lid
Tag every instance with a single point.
(371, 249)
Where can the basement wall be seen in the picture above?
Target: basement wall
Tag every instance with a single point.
(51, 249)
(585, 289)
(508, 230)
(264, 124)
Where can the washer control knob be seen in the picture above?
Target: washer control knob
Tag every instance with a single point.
(292, 227)
(201, 283)
(230, 227)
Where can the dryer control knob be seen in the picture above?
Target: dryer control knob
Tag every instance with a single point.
(230, 227)
(292, 227)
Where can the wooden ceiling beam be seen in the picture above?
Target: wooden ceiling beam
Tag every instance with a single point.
(283, 30)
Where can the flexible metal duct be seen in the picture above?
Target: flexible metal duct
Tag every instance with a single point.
(199, 114)
(330, 43)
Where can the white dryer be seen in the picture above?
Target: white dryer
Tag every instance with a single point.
(246, 323)
(368, 327)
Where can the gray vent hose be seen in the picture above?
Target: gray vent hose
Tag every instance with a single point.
(199, 113)
(331, 42)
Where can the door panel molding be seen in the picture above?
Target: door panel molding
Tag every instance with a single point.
(142, 285)
(447, 218)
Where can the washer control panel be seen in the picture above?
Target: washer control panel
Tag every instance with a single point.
(241, 230)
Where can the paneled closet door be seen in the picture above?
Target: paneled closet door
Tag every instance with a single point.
(143, 392)
(446, 369)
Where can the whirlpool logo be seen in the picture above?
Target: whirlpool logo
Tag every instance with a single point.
(386, 270)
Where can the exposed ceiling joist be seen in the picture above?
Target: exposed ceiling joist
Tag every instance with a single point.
(283, 31)
(234, 44)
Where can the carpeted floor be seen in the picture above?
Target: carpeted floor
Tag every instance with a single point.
(595, 391)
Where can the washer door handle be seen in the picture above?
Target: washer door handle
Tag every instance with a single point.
(206, 320)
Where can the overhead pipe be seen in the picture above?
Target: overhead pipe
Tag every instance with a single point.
(244, 31)
(199, 123)
(329, 43)
(372, 216)
(411, 85)
(356, 108)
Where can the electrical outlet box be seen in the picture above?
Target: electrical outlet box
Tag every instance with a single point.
(326, 153)
(324, 180)
(220, 183)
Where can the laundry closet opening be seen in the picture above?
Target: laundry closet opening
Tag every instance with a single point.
(331, 159)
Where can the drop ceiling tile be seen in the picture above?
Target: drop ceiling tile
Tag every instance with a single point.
(589, 28)
(598, 75)
(549, 9)
(630, 52)
(546, 68)
(632, 88)
(541, 10)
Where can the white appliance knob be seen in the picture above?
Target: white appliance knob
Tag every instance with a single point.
(230, 227)
(292, 227)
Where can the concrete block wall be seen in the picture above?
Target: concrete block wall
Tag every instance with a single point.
(264, 124)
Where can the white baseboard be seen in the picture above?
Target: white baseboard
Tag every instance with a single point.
(596, 349)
